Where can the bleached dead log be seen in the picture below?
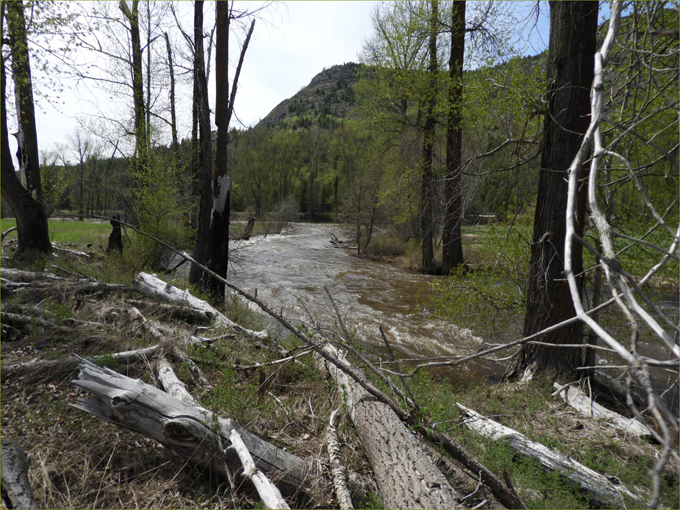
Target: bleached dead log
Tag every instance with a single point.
(154, 287)
(337, 468)
(406, 475)
(190, 433)
(193, 368)
(597, 485)
(271, 496)
(15, 484)
(573, 396)
(171, 383)
(181, 312)
(19, 275)
(72, 252)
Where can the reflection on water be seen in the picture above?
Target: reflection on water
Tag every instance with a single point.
(290, 271)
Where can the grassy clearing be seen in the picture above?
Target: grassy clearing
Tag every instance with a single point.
(68, 232)
(77, 461)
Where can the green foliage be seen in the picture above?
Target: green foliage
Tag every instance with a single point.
(489, 295)
(161, 208)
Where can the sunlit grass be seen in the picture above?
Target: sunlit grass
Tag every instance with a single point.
(69, 231)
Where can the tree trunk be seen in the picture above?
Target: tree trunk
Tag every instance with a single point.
(452, 245)
(218, 244)
(141, 142)
(32, 230)
(173, 112)
(406, 475)
(191, 433)
(426, 190)
(205, 177)
(27, 137)
(598, 486)
(573, 29)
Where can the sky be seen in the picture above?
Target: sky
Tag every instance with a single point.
(293, 42)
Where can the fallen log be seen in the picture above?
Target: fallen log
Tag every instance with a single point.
(191, 433)
(603, 491)
(154, 287)
(406, 475)
(270, 495)
(15, 485)
(574, 397)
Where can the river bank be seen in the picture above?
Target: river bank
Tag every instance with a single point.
(80, 462)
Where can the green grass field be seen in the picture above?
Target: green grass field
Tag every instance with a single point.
(69, 231)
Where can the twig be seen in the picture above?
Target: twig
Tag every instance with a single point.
(396, 365)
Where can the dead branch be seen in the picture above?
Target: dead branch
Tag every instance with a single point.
(337, 468)
(271, 497)
(598, 486)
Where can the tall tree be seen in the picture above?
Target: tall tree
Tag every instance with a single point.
(204, 156)
(429, 131)
(27, 137)
(452, 246)
(573, 30)
(141, 134)
(31, 219)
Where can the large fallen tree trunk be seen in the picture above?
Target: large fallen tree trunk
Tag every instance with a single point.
(156, 288)
(194, 434)
(190, 433)
(406, 475)
(603, 491)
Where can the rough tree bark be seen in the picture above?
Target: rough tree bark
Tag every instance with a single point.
(573, 30)
(452, 245)
(16, 489)
(32, 228)
(426, 191)
(27, 137)
(141, 138)
(406, 475)
(204, 178)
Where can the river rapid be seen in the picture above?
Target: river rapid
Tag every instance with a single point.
(290, 271)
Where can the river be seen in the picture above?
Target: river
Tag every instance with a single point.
(290, 271)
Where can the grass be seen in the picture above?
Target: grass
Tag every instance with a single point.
(69, 232)
(79, 461)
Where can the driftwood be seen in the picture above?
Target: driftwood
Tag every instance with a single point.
(15, 484)
(156, 288)
(406, 475)
(337, 468)
(603, 491)
(271, 497)
(181, 312)
(585, 405)
(192, 433)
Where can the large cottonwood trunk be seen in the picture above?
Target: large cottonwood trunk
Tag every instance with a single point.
(205, 176)
(426, 185)
(27, 137)
(573, 30)
(31, 219)
(406, 475)
(452, 245)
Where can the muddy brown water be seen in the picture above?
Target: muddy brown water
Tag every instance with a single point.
(290, 271)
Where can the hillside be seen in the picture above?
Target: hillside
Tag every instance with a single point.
(328, 96)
